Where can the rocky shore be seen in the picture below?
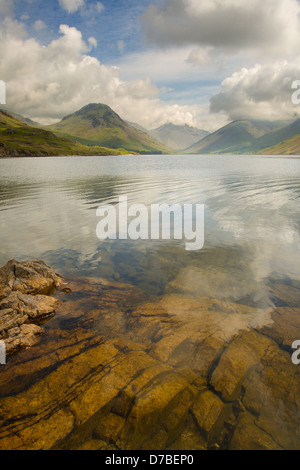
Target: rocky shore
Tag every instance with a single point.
(25, 300)
(177, 372)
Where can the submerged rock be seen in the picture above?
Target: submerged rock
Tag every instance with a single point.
(24, 300)
(211, 414)
(244, 352)
(175, 372)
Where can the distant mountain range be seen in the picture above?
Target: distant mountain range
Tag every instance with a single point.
(18, 139)
(178, 137)
(97, 130)
(288, 147)
(238, 137)
(98, 124)
(277, 136)
(24, 119)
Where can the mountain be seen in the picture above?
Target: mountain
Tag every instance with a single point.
(18, 139)
(19, 117)
(20, 136)
(236, 137)
(24, 119)
(178, 137)
(138, 126)
(277, 136)
(98, 124)
(287, 147)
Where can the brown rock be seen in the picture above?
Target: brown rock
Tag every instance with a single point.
(157, 413)
(210, 413)
(94, 444)
(190, 438)
(286, 295)
(17, 312)
(115, 372)
(21, 337)
(249, 436)
(31, 277)
(33, 308)
(245, 351)
(272, 395)
(109, 427)
(4, 291)
(285, 328)
(21, 302)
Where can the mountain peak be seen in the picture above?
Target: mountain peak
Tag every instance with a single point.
(98, 124)
(92, 110)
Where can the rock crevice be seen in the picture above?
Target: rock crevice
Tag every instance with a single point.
(25, 300)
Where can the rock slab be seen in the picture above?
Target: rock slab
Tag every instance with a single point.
(25, 300)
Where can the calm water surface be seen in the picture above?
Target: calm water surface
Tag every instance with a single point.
(252, 224)
(249, 267)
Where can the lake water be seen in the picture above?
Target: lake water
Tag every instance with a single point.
(252, 224)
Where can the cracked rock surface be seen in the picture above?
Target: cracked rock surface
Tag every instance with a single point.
(179, 372)
(25, 301)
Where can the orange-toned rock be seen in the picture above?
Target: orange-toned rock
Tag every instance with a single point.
(249, 436)
(244, 352)
(31, 277)
(174, 372)
(272, 395)
(22, 302)
(21, 337)
(210, 413)
(285, 327)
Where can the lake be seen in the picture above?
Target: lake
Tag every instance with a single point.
(242, 289)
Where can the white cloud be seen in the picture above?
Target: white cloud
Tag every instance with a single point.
(39, 25)
(63, 76)
(99, 7)
(121, 46)
(162, 65)
(263, 92)
(271, 25)
(93, 42)
(25, 17)
(86, 10)
(6, 7)
(49, 82)
(71, 6)
(200, 56)
(91, 10)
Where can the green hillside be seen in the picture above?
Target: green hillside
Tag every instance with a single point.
(19, 117)
(277, 136)
(18, 139)
(98, 124)
(234, 138)
(82, 132)
(287, 147)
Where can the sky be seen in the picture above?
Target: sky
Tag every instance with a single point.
(198, 62)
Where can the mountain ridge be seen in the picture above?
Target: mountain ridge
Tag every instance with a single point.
(237, 137)
(98, 124)
(75, 134)
(178, 137)
(19, 139)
